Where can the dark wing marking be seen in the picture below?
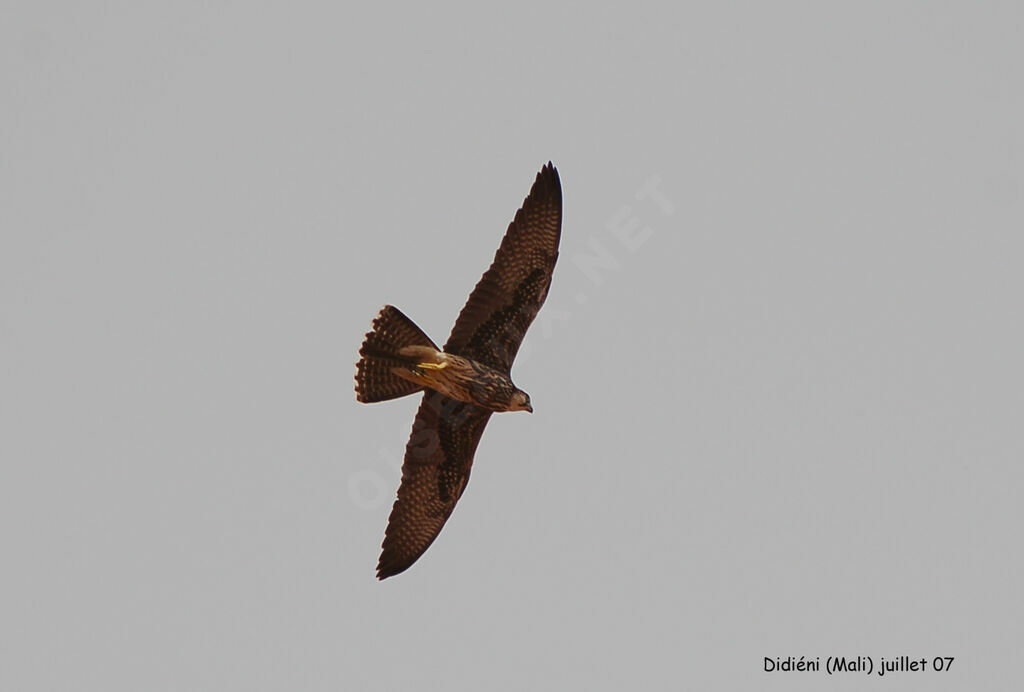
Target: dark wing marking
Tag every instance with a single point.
(438, 457)
(491, 326)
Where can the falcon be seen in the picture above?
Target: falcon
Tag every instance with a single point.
(464, 382)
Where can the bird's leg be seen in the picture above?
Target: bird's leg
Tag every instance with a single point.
(432, 366)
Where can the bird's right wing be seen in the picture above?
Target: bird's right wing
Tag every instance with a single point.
(438, 458)
(508, 296)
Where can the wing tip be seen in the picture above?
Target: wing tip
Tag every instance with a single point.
(547, 184)
(548, 170)
(389, 568)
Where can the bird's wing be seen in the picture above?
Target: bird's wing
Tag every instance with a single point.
(491, 326)
(438, 457)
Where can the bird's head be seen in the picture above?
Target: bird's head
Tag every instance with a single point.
(520, 402)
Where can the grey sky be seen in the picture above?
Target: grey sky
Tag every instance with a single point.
(778, 404)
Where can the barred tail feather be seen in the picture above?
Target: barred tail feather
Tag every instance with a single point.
(375, 379)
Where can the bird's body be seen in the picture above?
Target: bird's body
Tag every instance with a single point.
(465, 381)
(462, 379)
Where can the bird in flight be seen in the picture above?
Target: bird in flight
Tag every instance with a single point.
(464, 382)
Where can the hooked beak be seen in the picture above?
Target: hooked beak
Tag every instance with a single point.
(529, 408)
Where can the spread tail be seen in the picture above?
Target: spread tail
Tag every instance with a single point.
(381, 354)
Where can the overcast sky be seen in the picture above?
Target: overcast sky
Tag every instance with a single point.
(777, 381)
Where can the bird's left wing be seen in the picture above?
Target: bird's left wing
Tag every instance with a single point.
(438, 458)
(508, 296)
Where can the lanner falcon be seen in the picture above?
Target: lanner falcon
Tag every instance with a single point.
(467, 380)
